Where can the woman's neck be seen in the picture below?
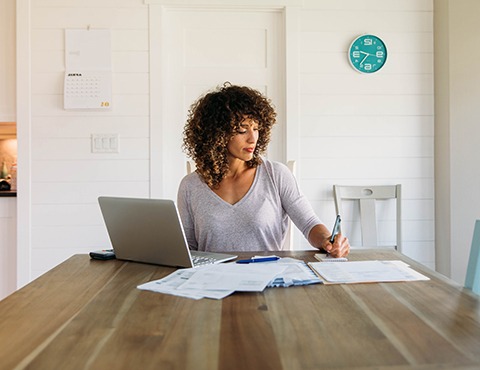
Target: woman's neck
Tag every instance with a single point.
(236, 168)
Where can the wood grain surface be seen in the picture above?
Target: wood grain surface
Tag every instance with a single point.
(87, 314)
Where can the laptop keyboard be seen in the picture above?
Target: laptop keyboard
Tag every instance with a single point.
(203, 260)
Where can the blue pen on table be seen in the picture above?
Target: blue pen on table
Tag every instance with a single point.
(259, 259)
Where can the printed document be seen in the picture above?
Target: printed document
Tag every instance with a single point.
(216, 281)
(365, 272)
(253, 277)
(219, 281)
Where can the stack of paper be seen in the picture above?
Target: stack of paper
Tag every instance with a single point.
(219, 281)
(216, 281)
(296, 273)
(365, 272)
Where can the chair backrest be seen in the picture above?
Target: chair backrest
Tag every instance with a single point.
(190, 167)
(288, 243)
(472, 279)
(367, 197)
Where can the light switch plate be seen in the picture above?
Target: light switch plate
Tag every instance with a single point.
(104, 143)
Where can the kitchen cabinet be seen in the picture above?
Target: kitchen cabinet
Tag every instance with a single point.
(7, 64)
(8, 244)
(8, 130)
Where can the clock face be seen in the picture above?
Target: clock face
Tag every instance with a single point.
(367, 54)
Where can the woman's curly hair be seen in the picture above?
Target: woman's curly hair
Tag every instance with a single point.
(212, 121)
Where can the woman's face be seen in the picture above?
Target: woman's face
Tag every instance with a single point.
(242, 144)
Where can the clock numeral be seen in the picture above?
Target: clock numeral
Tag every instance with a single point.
(379, 54)
(356, 54)
(367, 67)
(367, 42)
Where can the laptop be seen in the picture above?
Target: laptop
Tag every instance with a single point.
(150, 231)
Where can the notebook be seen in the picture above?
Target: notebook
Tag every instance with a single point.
(150, 231)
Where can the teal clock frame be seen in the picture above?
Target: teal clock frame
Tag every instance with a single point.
(367, 53)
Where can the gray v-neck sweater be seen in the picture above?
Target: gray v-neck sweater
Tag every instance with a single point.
(258, 222)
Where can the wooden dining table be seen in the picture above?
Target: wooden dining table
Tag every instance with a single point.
(89, 314)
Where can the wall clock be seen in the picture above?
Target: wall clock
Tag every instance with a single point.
(367, 54)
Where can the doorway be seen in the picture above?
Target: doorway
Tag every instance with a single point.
(199, 49)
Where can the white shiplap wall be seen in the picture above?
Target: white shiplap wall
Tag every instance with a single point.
(360, 129)
(66, 177)
(352, 129)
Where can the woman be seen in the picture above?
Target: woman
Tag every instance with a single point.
(237, 200)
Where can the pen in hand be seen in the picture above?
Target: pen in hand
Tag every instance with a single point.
(335, 232)
(336, 229)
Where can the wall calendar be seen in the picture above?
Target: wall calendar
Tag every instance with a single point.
(88, 90)
(88, 75)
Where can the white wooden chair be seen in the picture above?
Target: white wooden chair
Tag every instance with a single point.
(288, 243)
(190, 167)
(472, 279)
(367, 197)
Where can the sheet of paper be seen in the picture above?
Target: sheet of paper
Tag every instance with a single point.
(88, 50)
(366, 271)
(170, 283)
(88, 70)
(329, 258)
(252, 277)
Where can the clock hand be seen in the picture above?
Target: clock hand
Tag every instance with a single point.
(366, 56)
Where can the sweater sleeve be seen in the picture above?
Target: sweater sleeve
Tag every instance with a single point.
(294, 202)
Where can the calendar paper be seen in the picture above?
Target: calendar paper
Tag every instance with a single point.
(88, 75)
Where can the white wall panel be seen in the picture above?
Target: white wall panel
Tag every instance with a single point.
(368, 5)
(375, 129)
(362, 105)
(48, 61)
(84, 126)
(385, 147)
(48, 40)
(130, 61)
(365, 169)
(82, 17)
(66, 214)
(8, 241)
(334, 84)
(364, 20)
(130, 39)
(67, 177)
(80, 237)
(87, 3)
(99, 170)
(362, 126)
(87, 191)
(67, 149)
